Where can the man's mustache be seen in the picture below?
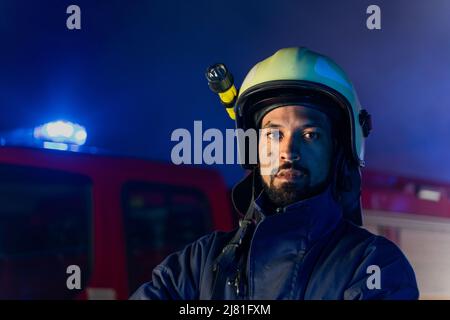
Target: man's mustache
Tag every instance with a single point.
(292, 166)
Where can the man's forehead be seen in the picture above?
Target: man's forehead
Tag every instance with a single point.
(297, 114)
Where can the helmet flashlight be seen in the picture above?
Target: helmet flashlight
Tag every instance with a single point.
(221, 82)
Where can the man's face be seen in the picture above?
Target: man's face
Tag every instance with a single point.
(302, 139)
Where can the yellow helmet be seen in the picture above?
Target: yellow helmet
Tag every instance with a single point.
(304, 73)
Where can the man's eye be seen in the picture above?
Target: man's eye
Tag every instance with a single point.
(311, 135)
(273, 135)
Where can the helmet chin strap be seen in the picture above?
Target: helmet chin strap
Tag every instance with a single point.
(231, 252)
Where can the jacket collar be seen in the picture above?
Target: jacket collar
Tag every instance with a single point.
(314, 217)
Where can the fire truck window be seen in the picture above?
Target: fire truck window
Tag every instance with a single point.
(45, 227)
(160, 220)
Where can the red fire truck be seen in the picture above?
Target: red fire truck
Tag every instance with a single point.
(115, 218)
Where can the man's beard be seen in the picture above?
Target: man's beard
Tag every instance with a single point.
(291, 192)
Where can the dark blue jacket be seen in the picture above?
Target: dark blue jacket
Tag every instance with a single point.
(306, 251)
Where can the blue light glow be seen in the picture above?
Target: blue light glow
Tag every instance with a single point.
(61, 132)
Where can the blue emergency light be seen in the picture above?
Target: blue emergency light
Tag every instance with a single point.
(61, 132)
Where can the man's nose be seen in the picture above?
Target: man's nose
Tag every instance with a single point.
(289, 149)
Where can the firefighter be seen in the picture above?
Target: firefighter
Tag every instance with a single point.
(300, 236)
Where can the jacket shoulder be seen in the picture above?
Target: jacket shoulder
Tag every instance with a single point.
(179, 275)
(363, 243)
(367, 242)
(348, 262)
(378, 254)
(196, 255)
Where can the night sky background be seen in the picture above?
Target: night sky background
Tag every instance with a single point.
(135, 71)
